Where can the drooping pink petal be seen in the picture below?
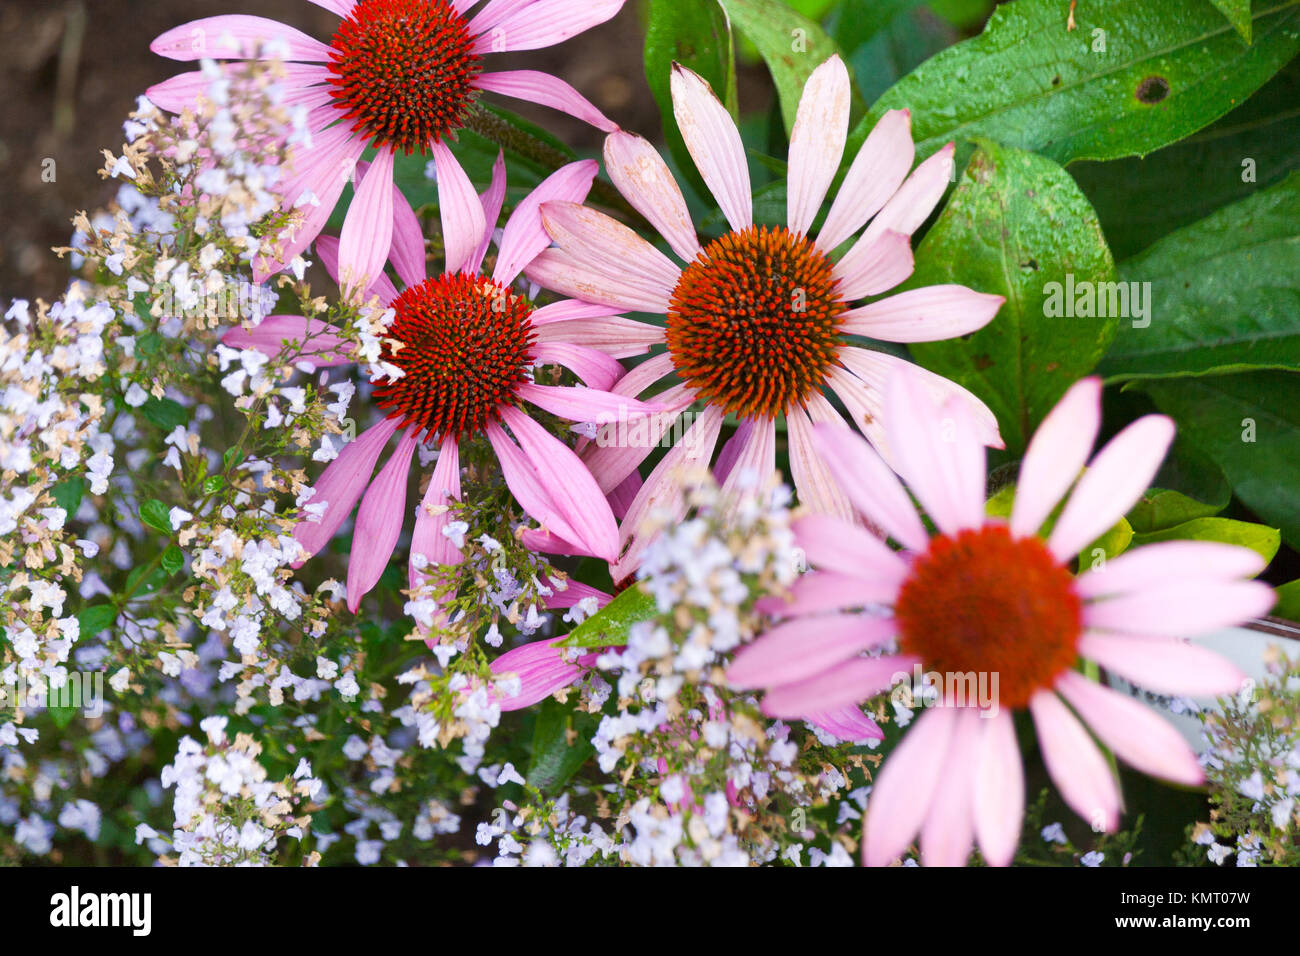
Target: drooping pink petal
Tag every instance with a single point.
(545, 23)
(578, 404)
(613, 336)
(541, 668)
(846, 723)
(999, 805)
(566, 274)
(1113, 482)
(315, 341)
(491, 199)
(340, 485)
(463, 226)
(1057, 453)
(813, 480)
(327, 251)
(428, 541)
(865, 407)
(545, 90)
(572, 593)
(730, 453)
(596, 369)
(871, 267)
(805, 647)
(714, 144)
(938, 452)
(755, 461)
(367, 232)
(927, 314)
(1134, 731)
(1166, 562)
(821, 127)
(407, 250)
(912, 204)
(524, 235)
(821, 591)
(238, 37)
(621, 498)
(609, 247)
(570, 485)
(1166, 666)
(948, 831)
(522, 479)
(875, 175)
(905, 786)
(871, 486)
(645, 181)
(835, 545)
(849, 683)
(1075, 764)
(379, 521)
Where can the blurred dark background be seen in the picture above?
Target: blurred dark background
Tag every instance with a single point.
(72, 70)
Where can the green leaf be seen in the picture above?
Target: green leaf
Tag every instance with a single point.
(67, 494)
(1110, 545)
(554, 759)
(791, 45)
(164, 413)
(96, 618)
(212, 484)
(1160, 508)
(1168, 68)
(1257, 537)
(1249, 424)
(1238, 14)
(1219, 296)
(854, 22)
(1017, 225)
(884, 41)
(1254, 146)
(609, 626)
(155, 514)
(697, 36)
(173, 559)
(1288, 601)
(149, 343)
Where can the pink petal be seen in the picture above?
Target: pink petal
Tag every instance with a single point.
(327, 251)
(835, 545)
(379, 522)
(1135, 732)
(490, 14)
(342, 7)
(524, 235)
(999, 805)
(938, 452)
(714, 144)
(560, 272)
(755, 462)
(948, 831)
(1166, 666)
(1075, 764)
(621, 498)
(596, 369)
(853, 681)
(875, 175)
(301, 84)
(613, 336)
(820, 591)
(433, 514)
(917, 197)
(1056, 455)
(871, 267)
(730, 453)
(607, 246)
(571, 487)
(340, 485)
(618, 454)
(905, 786)
(545, 23)
(316, 341)
(816, 484)
(821, 127)
(237, 37)
(642, 176)
(928, 314)
(871, 485)
(491, 199)
(1115, 480)
(545, 90)
(541, 668)
(578, 404)
(572, 593)
(1166, 562)
(408, 242)
(463, 225)
(567, 310)
(522, 479)
(368, 228)
(806, 647)
(846, 723)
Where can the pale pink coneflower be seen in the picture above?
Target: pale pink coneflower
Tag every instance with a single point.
(397, 75)
(757, 321)
(465, 344)
(988, 596)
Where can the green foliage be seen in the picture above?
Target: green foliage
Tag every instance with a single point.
(609, 626)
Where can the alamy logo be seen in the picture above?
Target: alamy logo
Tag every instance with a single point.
(73, 909)
(1087, 300)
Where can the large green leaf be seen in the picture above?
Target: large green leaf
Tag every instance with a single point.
(609, 626)
(1136, 76)
(1254, 146)
(554, 759)
(697, 36)
(884, 41)
(1223, 294)
(1016, 224)
(1246, 534)
(791, 45)
(1250, 425)
(1238, 14)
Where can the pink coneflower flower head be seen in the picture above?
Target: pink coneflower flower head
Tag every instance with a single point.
(987, 599)
(455, 363)
(757, 321)
(399, 76)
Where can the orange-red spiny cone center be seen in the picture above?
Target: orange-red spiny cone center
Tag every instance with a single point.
(463, 343)
(987, 603)
(402, 70)
(752, 324)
